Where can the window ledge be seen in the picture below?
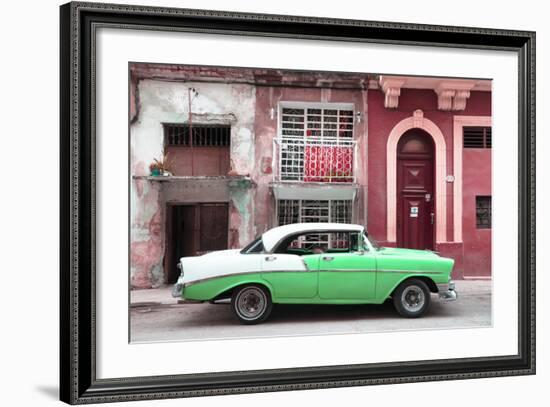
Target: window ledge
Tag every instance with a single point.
(176, 178)
(314, 190)
(233, 181)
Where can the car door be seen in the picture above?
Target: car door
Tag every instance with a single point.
(347, 276)
(291, 276)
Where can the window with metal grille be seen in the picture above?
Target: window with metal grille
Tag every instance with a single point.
(197, 150)
(322, 122)
(306, 210)
(477, 137)
(202, 135)
(483, 212)
(316, 143)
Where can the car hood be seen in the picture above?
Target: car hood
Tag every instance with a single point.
(394, 251)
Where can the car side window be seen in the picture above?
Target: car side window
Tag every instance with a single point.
(321, 242)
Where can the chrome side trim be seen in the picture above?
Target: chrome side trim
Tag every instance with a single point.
(348, 270)
(410, 271)
(202, 280)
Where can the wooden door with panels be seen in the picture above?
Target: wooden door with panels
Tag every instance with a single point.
(416, 215)
(192, 230)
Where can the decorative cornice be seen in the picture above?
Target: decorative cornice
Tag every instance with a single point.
(459, 101)
(452, 95)
(445, 98)
(392, 89)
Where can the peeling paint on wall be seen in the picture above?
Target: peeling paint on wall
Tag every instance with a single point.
(241, 211)
(167, 102)
(146, 255)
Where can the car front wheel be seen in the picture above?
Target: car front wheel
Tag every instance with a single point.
(412, 298)
(251, 304)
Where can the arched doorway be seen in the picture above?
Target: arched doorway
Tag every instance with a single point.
(415, 190)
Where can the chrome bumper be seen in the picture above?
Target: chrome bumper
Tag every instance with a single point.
(177, 290)
(447, 292)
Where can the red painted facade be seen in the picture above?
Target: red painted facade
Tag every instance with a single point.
(476, 244)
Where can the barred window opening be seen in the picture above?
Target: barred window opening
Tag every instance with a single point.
(310, 211)
(483, 212)
(317, 144)
(317, 122)
(178, 134)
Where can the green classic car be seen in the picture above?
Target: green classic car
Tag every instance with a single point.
(315, 263)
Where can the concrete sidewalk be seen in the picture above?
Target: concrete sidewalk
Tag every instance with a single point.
(162, 296)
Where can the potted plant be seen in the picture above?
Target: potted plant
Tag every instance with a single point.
(154, 169)
(161, 167)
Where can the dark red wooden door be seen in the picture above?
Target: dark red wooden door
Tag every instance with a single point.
(194, 229)
(415, 191)
(213, 227)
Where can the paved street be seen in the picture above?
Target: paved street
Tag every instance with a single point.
(156, 316)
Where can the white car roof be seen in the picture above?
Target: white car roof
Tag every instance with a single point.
(273, 236)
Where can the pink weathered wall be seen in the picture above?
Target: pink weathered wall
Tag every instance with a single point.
(265, 129)
(380, 123)
(157, 101)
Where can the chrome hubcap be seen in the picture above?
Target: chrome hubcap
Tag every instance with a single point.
(413, 298)
(251, 303)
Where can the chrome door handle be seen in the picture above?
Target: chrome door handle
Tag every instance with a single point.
(432, 218)
(270, 258)
(328, 258)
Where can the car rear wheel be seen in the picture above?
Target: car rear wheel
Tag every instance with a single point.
(251, 304)
(411, 298)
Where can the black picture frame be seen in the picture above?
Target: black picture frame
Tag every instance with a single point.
(78, 382)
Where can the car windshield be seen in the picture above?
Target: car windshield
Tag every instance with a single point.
(373, 242)
(256, 246)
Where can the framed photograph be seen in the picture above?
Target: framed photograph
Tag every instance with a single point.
(254, 203)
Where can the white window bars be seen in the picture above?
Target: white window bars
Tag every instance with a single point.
(310, 210)
(314, 159)
(306, 211)
(315, 145)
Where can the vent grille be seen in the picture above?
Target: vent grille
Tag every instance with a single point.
(202, 135)
(477, 137)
